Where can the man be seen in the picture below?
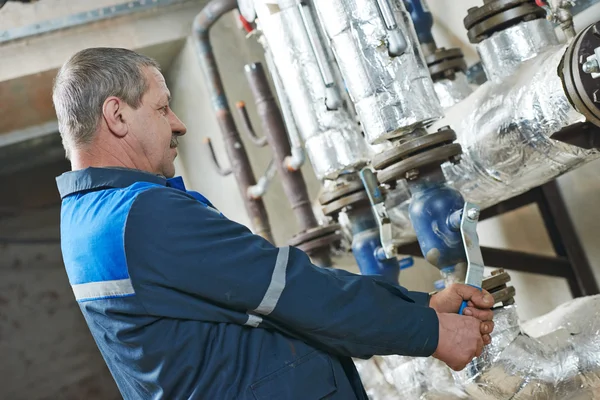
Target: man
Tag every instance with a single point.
(186, 304)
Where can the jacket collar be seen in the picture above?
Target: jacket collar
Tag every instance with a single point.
(100, 178)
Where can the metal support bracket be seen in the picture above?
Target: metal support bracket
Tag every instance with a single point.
(369, 180)
(468, 231)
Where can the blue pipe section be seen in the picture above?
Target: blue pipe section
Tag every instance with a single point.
(366, 246)
(422, 20)
(435, 211)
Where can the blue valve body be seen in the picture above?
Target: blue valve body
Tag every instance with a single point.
(432, 204)
(422, 20)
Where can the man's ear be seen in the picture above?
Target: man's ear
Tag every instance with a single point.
(114, 115)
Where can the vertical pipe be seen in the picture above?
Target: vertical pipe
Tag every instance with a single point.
(274, 129)
(240, 164)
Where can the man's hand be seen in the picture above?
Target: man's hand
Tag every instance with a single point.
(460, 340)
(479, 305)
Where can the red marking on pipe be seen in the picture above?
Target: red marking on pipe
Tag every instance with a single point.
(247, 26)
(540, 3)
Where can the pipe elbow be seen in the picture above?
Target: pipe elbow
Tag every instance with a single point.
(296, 160)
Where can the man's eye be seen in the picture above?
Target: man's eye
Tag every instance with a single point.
(165, 109)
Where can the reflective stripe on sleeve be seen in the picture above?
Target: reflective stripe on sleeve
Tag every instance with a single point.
(102, 290)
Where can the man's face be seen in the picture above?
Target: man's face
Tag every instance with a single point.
(156, 126)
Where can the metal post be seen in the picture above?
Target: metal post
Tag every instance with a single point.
(565, 240)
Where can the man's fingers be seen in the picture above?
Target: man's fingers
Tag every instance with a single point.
(479, 347)
(486, 327)
(482, 315)
(482, 299)
(479, 298)
(487, 339)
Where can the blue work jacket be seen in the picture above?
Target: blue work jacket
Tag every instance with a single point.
(184, 303)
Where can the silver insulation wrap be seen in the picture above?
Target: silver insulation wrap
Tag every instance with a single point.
(553, 357)
(451, 91)
(391, 94)
(504, 129)
(331, 137)
(503, 52)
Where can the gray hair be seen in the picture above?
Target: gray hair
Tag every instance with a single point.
(86, 80)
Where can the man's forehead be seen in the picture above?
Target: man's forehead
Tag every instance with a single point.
(158, 80)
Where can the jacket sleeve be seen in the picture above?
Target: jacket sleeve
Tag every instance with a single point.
(186, 248)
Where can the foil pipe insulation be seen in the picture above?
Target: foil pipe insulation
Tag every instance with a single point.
(392, 95)
(553, 357)
(503, 52)
(505, 128)
(451, 91)
(331, 137)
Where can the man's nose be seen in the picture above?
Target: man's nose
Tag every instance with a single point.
(177, 127)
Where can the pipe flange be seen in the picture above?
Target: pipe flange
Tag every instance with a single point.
(341, 190)
(409, 168)
(445, 63)
(582, 89)
(497, 15)
(338, 205)
(326, 241)
(443, 136)
(315, 233)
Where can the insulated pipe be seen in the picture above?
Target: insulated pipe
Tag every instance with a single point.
(392, 95)
(292, 181)
(296, 160)
(505, 128)
(332, 139)
(240, 164)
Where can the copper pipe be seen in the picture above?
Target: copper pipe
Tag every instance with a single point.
(238, 158)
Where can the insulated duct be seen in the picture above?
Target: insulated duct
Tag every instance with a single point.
(331, 136)
(392, 95)
(553, 357)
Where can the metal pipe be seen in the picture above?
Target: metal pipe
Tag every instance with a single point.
(240, 164)
(298, 157)
(274, 128)
(451, 91)
(264, 181)
(333, 101)
(247, 124)
(505, 129)
(293, 182)
(392, 95)
(502, 53)
(332, 138)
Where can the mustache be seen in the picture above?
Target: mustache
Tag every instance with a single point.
(174, 141)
